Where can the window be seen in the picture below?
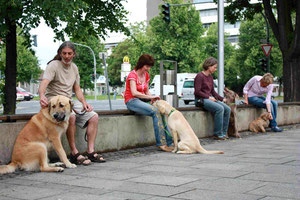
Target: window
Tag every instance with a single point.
(188, 84)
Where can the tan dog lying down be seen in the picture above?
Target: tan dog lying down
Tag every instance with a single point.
(42, 131)
(180, 128)
(260, 123)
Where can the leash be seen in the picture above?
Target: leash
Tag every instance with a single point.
(164, 120)
(82, 113)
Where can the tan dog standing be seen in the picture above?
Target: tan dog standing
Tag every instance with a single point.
(260, 123)
(181, 129)
(231, 96)
(44, 130)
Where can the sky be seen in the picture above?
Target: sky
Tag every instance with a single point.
(47, 48)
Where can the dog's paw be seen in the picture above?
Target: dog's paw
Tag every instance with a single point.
(71, 165)
(174, 151)
(59, 169)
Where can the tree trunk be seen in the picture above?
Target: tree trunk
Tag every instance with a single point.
(10, 68)
(291, 80)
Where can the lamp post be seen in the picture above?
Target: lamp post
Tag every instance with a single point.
(95, 86)
(102, 56)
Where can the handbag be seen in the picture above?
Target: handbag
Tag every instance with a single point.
(199, 102)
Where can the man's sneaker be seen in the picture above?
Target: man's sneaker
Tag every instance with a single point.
(276, 129)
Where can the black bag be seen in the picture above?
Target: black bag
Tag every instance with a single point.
(145, 100)
(199, 102)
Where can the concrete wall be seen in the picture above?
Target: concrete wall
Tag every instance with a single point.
(123, 130)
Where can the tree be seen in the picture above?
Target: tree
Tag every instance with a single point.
(179, 40)
(133, 47)
(245, 63)
(285, 27)
(78, 19)
(85, 62)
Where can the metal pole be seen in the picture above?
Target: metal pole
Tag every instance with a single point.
(268, 42)
(106, 78)
(220, 47)
(95, 81)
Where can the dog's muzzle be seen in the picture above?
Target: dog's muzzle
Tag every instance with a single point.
(59, 117)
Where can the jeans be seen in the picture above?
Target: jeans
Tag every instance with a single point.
(221, 114)
(160, 127)
(259, 102)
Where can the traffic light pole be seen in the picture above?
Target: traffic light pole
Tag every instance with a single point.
(268, 42)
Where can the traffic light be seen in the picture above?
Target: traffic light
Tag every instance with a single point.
(34, 40)
(166, 12)
(263, 64)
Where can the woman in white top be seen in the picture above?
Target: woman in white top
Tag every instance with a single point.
(254, 90)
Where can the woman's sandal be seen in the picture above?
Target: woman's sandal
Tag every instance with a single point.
(95, 157)
(82, 161)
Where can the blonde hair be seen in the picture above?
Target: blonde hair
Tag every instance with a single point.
(267, 78)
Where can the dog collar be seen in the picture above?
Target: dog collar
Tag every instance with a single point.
(171, 112)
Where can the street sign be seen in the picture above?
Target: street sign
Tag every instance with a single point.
(266, 48)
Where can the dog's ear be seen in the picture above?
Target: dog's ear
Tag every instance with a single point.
(71, 105)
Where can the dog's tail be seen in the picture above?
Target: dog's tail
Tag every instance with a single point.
(10, 168)
(203, 151)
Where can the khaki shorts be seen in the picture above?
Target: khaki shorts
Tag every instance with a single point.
(81, 117)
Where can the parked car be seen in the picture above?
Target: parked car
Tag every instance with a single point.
(20, 97)
(188, 90)
(27, 95)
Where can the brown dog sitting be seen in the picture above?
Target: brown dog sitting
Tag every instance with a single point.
(260, 123)
(231, 96)
(44, 130)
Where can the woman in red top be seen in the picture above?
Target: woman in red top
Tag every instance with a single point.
(137, 92)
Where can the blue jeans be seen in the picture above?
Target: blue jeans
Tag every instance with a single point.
(221, 114)
(160, 128)
(259, 102)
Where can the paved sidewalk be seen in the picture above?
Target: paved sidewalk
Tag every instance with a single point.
(262, 166)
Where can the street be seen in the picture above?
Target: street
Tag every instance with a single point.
(28, 107)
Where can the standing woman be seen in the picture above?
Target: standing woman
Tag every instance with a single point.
(206, 96)
(137, 91)
(254, 90)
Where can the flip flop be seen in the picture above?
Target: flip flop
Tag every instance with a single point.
(94, 158)
(74, 159)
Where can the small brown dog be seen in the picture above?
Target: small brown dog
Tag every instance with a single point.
(39, 134)
(181, 129)
(231, 96)
(260, 123)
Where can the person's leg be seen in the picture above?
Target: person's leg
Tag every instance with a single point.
(226, 117)
(143, 108)
(218, 112)
(274, 106)
(71, 140)
(91, 131)
(257, 101)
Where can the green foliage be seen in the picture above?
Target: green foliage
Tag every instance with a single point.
(179, 40)
(132, 47)
(27, 63)
(85, 60)
(245, 62)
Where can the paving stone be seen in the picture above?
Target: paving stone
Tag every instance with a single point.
(26, 192)
(123, 196)
(159, 190)
(279, 190)
(162, 168)
(209, 195)
(163, 180)
(226, 185)
(279, 178)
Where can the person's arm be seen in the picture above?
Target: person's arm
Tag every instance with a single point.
(42, 91)
(268, 100)
(247, 88)
(137, 94)
(246, 99)
(80, 97)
